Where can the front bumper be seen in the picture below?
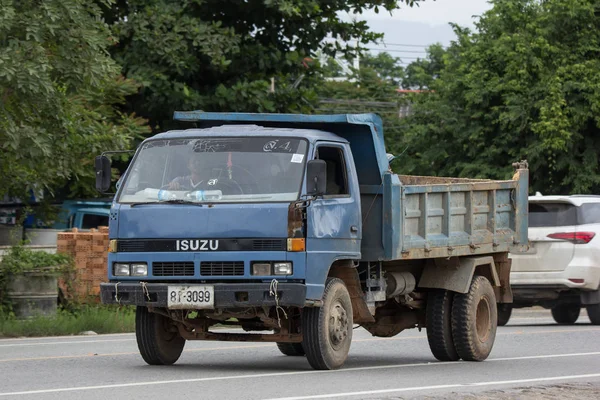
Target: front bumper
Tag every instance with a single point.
(227, 295)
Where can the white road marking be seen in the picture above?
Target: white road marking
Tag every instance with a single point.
(68, 342)
(451, 386)
(276, 374)
(29, 339)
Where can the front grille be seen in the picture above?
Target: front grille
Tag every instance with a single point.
(130, 245)
(173, 269)
(221, 268)
(269, 245)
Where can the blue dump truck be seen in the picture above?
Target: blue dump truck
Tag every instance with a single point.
(295, 227)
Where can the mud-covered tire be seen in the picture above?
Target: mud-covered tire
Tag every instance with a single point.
(474, 320)
(439, 325)
(327, 330)
(566, 314)
(504, 312)
(593, 311)
(159, 343)
(291, 349)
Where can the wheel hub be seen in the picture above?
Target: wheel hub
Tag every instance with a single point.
(483, 319)
(338, 324)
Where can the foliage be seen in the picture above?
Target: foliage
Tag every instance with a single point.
(99, 319)
(387, 67)
(524, 85)
(59, 88)
(20, 259)
(220, 55)
(421, 73)
(370, 89)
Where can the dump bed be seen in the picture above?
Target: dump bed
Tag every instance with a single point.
(410, 217)
(443, 217)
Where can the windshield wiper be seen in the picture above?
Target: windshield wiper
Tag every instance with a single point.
(171, 201)
(181, 201)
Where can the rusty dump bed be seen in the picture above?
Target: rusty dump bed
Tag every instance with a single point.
(429, 217)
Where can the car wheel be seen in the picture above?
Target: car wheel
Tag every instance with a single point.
(593, 311)
(566, 314)
(504, 312)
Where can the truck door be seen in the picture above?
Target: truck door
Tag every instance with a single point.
(334, 224)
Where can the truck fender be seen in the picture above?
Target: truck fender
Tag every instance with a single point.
(455, 274)
(346, 271)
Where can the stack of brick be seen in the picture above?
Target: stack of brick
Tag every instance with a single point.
(89, 251)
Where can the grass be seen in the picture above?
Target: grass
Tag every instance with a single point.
(100, 319)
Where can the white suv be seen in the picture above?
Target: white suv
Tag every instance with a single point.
(561, 270)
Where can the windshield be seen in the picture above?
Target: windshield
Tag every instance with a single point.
(236, 169)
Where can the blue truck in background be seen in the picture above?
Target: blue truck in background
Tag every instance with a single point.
(294, 228)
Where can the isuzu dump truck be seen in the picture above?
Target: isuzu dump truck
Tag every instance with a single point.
(294, 227)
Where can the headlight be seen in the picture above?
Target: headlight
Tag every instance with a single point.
(261, 269)
(282, 268)
(120, 269)
(139, 269)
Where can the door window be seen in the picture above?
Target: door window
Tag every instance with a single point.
(337, 180)
(90, 221)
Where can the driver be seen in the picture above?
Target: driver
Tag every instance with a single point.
(189, 182)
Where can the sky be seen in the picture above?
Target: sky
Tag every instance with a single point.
(409, 30)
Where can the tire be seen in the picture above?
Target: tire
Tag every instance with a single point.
(504, 312)
(439, 325)
(327, 330)
(474, 320)
(158, 344)
(566, 314)
(593, 311)
(291, 349)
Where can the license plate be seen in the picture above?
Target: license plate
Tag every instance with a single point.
(190, 297)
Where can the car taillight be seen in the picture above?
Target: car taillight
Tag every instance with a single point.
(573, 237)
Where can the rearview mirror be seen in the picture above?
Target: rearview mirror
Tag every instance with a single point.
(316, 177)
(102, 164)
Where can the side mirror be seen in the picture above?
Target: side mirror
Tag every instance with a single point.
(102, 164)
(316, 177)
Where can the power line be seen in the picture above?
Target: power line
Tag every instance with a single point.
(402, 51)
(407, 45)
(395, 51)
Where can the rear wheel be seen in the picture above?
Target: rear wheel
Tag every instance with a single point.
(593, 311)
(566, 314)
(291, 349)
(474, 320)
(439, 325)
(158, 340)
(327, 330)
(504, 312)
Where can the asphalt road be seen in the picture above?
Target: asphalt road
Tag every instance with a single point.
(530, 351)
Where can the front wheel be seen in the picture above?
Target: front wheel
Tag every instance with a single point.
(327, 330)
(566, 314)
(158, 340)
(474, 320)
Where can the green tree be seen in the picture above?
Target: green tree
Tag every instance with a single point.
(371, 89)
(524, 85)
(60, 90)
(386, 66)
(421, 73)
(220, 55)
